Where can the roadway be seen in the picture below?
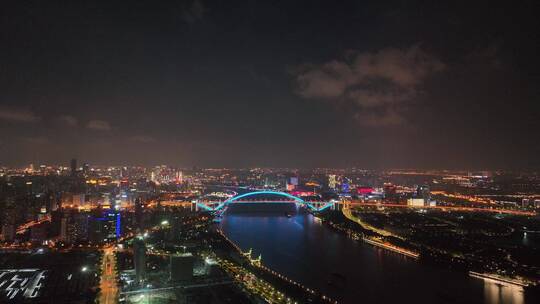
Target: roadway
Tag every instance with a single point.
(348, 214)
(24, 227)
(445, 208)
(255, 285)
(109, 288)
(376, 241)
(188, 286)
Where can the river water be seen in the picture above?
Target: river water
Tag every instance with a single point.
(309, 252)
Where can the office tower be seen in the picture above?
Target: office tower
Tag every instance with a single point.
(345, 186)
(104, 225)
(74, 227)
(139, 213)
(139, 259)
(294, 181)
(73, 167)
(86, 169)
(8, 232)
(332, 182)
(423, 193)
(179, 177)
(79, 200)
(64, 237)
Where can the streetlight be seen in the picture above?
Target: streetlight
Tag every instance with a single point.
(164, 223)
(84, 269)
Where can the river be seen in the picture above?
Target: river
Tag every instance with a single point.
(309, 252)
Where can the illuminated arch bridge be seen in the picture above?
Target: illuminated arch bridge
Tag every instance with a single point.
(246, 199)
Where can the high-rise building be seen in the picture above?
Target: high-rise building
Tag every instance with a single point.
(74, 227)
(423, 193)
(79, 200)
(139, 259)
(104, 225)
(389, 189)
(345, 188)
(51, 201)
(86, 169)
(8, 232)
(139, 213)
(332, 181)
(390, 192)
(294, 181)
(416, 202)
(179, 177)
(73, 166)
(64, 230)
(38, 234)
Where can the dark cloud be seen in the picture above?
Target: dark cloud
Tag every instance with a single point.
(99, 125)
(18, 115)
(379, 84)
(194, 12)
(488, 55)
(386, 117)
(159, 76)
(69, 120)
(36, 140)
(142, 139)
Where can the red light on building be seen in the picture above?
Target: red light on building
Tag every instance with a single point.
(302, 193)
(364, 190)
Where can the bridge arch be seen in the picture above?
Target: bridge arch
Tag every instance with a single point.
(296, 199)
(219, 206)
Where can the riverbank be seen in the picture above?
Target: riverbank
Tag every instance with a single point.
(264, 282)
(314, 254)
(379, 238)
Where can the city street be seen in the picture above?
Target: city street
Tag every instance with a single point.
(109, 289)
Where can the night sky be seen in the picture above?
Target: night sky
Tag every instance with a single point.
(271, 83)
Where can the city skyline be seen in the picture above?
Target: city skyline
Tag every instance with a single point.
(302, 85)
(248, 152)
(67, 166)
(122, 234)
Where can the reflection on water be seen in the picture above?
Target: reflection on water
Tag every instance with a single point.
(309, 252)
(507, 294)
(525, 239)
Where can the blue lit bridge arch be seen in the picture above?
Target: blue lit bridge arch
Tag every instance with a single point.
(215, 206)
